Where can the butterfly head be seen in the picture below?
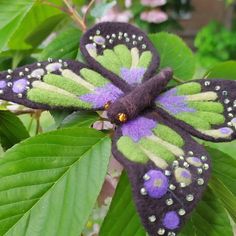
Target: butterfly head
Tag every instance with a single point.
(117, 112)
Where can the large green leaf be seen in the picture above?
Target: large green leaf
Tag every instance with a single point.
(209, 219)
(8, 30)
(80, 119)
(35, 27)
(174, 53)
(12, 130)
(122, 218)
(65, 46)
(225, 70)
(10, 9)
(224, 167)
(50, 183)
(225, 195)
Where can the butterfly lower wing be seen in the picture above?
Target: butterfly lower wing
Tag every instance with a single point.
(168, 171)
(205, 108)
(57, 85)
(120, 51)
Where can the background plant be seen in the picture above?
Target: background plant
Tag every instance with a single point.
(65, 176)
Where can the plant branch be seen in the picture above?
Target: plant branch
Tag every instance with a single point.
(87, 10)
(74, 15)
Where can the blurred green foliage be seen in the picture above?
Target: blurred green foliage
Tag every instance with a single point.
(214, 44)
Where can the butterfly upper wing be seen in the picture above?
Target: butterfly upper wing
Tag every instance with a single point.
(57, 84)
(168, 171)
(121, 52)
(205, 108)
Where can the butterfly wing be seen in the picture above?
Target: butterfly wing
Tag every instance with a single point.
(120, 52)
(57, 85)
(205, 108)
(168, 171)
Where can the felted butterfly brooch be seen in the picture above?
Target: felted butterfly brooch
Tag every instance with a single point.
(167, 168)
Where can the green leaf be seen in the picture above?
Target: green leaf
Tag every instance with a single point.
(7, 31)
(12, 130)
(122, 218)
(35, 27)
(10, 9)
(224, 194)
(80, 119)
(50, 183)
(224, 167)
(100, 9)
(64, 46)
(225, 70)
(174, 53)
(209, 218)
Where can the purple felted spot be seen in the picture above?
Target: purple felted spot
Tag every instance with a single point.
(102, 95)
(19, 86)
(138, 128)
(3, 84)
(171, 220)
(195, 159)
(173, 103)
(133, 75)
(157, 184)
(186, 174)
(226, 130)
(99, 40)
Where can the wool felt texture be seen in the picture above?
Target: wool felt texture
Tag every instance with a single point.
(148, 206)
(168, 170)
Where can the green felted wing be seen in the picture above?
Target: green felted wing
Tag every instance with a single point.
(57, 84)
(204, 108)
(121, 49)
(167, 169)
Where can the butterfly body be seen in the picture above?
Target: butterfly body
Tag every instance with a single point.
(140, 98)
(167, 168)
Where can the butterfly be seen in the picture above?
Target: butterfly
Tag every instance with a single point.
(167, 168)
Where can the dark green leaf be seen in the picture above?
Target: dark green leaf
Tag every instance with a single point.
(12, 130)
(65, 46)
(50, 183)
(174, 53)
(224, 167)
(225, 70)
(80, 119)
(209, 219)
(225, 195)
(122, 218)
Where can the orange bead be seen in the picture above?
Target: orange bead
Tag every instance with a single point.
(122, 117)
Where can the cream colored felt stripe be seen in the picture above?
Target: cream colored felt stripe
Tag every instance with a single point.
(135, 57)
(157, 160)
(51, 88)
(215, 133)
(76, 78)
(172, 148)
(206, 96)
